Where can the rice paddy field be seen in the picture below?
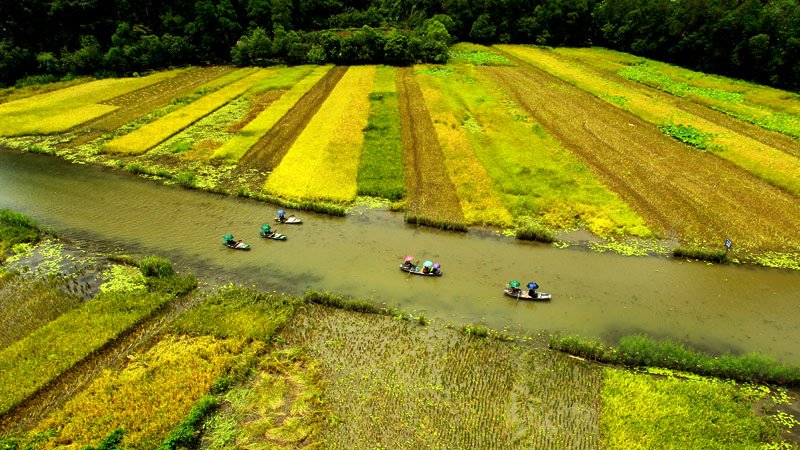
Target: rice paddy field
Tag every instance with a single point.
(506, 138)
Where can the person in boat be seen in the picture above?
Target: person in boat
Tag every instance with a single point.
(408, 265)
(282, 216)
(532, 293)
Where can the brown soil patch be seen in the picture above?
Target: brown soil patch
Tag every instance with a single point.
(260, 103)
(677, 189)
(430, 193)
(268, 152)
(142, 101)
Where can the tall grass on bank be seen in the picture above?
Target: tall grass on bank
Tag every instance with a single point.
(323, 162)
(762, 160)
(152, 397)
(306, 205)
(640, 350)
(237, 146)
(60, 110)
(346, 303)
(475, 188)
(153, 133)
(16, 229)
(703, 254)
(380, 171)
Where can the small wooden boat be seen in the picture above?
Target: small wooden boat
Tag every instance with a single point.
(290, 219)
(417, 270)
(236, 245)
(273, 235)
(521, 294)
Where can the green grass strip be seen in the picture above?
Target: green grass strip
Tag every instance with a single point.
(380, 171)
(237, 146)
(32, 362)
(63, 109)
(154, 133)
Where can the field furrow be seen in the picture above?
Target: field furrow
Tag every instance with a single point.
(140, 102)
(66, 108)
(678, 190)
(152, 134)
(323, 162)
(255, 130)
(431, 195)
(479, 201)
(660, 109)
(270, 149)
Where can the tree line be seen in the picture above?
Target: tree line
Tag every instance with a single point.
(751, 39)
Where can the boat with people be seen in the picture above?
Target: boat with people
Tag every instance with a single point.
(514, 290)
(230, 242)
(269, 233)
(428, 268)
(281, 217)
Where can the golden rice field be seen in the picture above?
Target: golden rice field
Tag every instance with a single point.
(256, 129)
(323, 162)
(504, 137)
(152, 134)
(62, 109)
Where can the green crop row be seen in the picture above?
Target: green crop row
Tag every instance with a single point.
(380, 171)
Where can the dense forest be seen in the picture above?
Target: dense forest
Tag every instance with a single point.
(752, 39)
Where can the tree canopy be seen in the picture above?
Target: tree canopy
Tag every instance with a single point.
(751, 39)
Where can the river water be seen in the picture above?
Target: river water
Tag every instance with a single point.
(717, 308)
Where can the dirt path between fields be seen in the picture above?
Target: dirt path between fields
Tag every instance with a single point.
(113, 355)
(677, 189)
(430, 193)
(268, 152)
(142, 101)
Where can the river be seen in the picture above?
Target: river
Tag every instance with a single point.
(717, 308)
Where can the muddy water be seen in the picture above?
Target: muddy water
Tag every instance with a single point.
(715, 308)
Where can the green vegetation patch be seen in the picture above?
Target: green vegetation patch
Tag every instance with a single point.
(476, 55)
(16, 229)
(641, 411)
(688, 135)
(237, 311)
(380, 171)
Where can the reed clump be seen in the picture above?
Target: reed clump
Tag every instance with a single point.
(346, 303)
(703, 254)
(16, 228)
(535, 232)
